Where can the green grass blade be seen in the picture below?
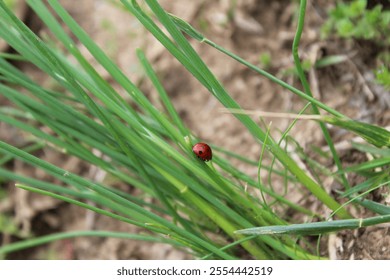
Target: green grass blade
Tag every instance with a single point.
(369, 165)
(371, 150)
(22, 245)
(374, 206)
(373, 134)
(316, 228)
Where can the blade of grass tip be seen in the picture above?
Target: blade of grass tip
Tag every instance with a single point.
(60, 173)
(370, 149)
(302, 77)
(353, 199)
(369, 165)
(330, 60)
(202, 72)
(317, 227)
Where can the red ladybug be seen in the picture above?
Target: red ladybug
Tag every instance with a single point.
(202, 151)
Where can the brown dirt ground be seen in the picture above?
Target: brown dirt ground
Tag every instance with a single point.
(258, 27)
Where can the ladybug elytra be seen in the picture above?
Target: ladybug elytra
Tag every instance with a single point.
(202, 151)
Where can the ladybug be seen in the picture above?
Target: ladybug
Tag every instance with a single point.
(202, 151)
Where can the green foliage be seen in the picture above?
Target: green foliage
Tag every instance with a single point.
(354, 20)
(265, 60)
(382, 76)
(292, 71)
(8, 226)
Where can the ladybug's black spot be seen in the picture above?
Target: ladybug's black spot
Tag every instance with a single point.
(200, 152)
